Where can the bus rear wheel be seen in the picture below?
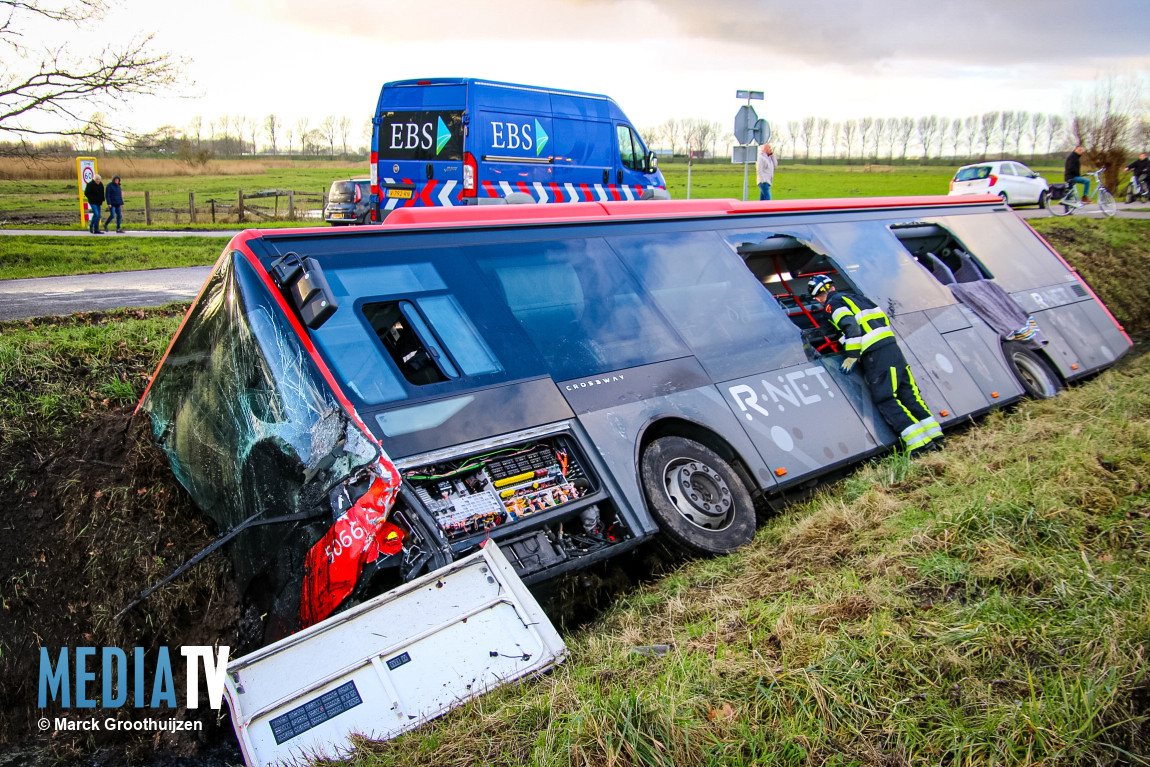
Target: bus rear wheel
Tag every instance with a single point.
(696, 497)
(1036, 377)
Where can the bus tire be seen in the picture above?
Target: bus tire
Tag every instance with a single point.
(1033, 372)
(696, 497)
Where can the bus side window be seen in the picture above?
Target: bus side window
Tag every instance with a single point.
(410, 342)
(784, 265)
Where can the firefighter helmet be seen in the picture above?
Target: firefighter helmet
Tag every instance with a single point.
(818, 284)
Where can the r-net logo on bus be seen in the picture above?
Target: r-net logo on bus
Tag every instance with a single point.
(421, 136)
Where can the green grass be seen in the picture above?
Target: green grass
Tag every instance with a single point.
(988, 604)
(53, 374)
(172, 191)
(44, 256)
(799, 181)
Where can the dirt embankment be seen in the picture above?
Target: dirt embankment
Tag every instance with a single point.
(86, 525)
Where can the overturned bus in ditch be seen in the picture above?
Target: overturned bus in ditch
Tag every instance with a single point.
(356, 408)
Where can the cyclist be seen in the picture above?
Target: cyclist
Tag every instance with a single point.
(1073, 172)
(1140, 170)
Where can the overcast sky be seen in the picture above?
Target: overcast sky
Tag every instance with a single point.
(656, 58)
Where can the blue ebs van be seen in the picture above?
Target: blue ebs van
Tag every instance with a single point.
(464, 141)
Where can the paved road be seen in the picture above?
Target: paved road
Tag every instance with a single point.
(41, 296)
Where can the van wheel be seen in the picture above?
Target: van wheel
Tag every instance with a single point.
(1005, 198)
(1035, 375)
(696, 497)
(1043, 199)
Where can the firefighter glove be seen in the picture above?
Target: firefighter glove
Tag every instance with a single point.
(848, 364)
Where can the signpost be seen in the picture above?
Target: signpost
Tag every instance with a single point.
(85, 172)
(750, 131)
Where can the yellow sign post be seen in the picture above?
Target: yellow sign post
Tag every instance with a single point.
(85, 172)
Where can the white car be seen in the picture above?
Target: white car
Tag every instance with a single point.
(1015, 183)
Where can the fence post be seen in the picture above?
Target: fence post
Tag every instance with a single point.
(192, 207)
(147, 207)
(291, 205)
(240, 205)
(213, 210)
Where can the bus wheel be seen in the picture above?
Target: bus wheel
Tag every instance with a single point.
(1032, 372)
(696, 497)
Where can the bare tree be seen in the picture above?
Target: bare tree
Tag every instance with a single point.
(940, 136)
(194, 128)
(807, 130)
(903, 133)
(822, 125)
(328, 129)
(1018, 128)
(240, 123)
(52, 84)
(271, 124)
(717, 132)
(1101, 120)
(987, 127)
(836, 137)
(1034, 129)
(972, 123)
(957, 131)
(866, 128)
(673, 131)
(253, 129)
(344, 131)
(301, 130)
(793, 128)
(850, 130)
(288, 136)
(1055, 125)
(927, 128)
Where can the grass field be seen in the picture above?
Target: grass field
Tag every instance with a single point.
(47, 256)
(20, 198)
(987, 604)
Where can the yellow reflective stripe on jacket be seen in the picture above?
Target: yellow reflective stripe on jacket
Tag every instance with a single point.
(873, 323)
(873, 337)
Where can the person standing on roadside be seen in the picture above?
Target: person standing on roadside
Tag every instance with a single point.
(94, 194)
(765, 171)
(1072, 173)
(115, 198)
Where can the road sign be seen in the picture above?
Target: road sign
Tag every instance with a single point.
(762, 131)
(743, 153)
(745, 122)
(757, 95)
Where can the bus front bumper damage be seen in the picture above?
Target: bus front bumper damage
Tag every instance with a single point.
(267, 447)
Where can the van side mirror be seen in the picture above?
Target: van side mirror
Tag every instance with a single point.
(302, 281)
(652, 162)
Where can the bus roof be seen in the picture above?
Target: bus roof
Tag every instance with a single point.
(504, 215)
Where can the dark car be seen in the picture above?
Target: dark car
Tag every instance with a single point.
(348, 202)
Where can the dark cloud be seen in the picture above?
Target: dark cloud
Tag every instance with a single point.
(976, 32)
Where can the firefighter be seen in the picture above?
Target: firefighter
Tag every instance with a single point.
(869, 339)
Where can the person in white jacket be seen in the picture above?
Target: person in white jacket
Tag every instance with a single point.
(765, 171)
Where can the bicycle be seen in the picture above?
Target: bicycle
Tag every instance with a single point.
(1136, 190)
(1070, 200)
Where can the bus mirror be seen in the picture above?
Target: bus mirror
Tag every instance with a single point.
(303, 282)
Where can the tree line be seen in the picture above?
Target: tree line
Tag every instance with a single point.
(875, 139)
